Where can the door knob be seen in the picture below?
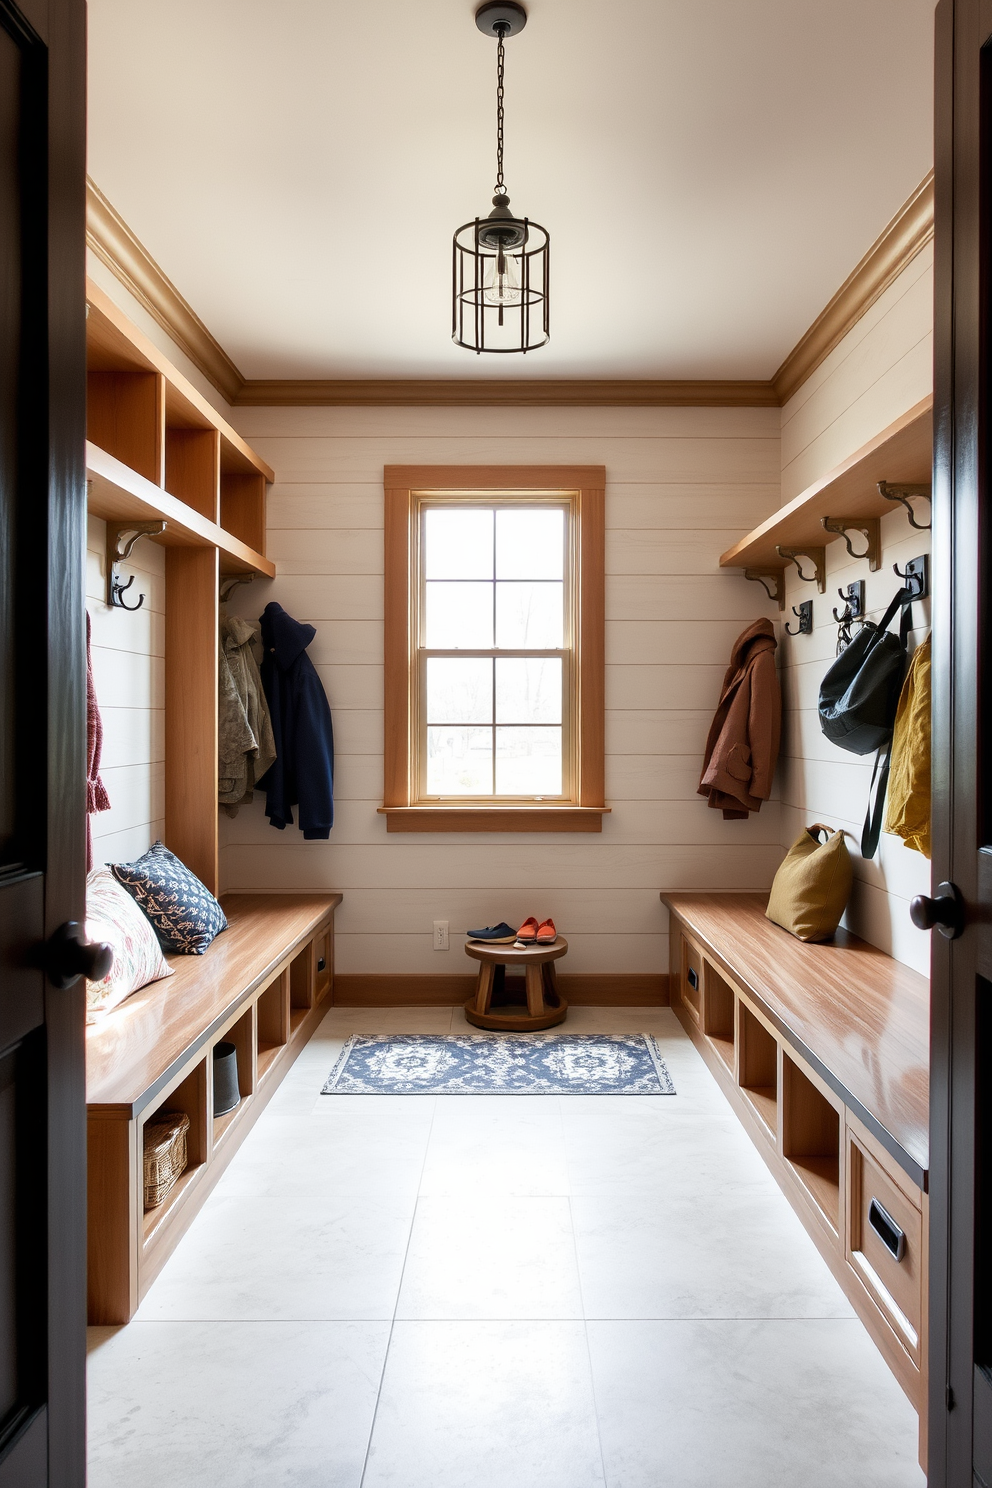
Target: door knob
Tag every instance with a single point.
(69, 957)
(944, 912)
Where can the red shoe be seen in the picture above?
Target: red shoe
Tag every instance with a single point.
(546, 933)
(528, 931)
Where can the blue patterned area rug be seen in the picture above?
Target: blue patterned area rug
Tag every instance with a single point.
(500, 1064)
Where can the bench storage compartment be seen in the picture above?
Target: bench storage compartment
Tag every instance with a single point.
(823, 1051)
(257, 987)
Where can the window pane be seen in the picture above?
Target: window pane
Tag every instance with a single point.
(459, 543)
(530, 543)
(459, 761)
(528, 691)
(530, 615)
(459, 691)
(528, 761)
(459, 616)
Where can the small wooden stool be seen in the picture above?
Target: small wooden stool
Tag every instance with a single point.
(545, 1004)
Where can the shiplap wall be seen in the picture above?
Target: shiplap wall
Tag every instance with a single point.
(881, 368)
(683, 484)
(129, 671)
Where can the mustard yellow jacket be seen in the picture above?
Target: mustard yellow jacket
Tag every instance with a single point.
(908, 811)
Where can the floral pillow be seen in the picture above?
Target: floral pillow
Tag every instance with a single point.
(184, 913)
(113, 916)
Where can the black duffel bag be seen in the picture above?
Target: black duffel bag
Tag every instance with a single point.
(859, 696)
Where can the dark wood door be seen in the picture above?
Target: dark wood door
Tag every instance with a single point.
(961, 1029)
(42, 741)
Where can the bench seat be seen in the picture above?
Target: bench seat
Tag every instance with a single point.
(823, 1053)
(262, 985)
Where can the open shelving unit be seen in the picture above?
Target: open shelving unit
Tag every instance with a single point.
(157, 451)
(901, 454)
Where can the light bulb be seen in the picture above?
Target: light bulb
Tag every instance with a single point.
(501, 285)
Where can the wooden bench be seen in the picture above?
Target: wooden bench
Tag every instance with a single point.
(823, 1052)
(262, 985)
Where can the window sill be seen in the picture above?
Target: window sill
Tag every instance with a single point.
(494, 818)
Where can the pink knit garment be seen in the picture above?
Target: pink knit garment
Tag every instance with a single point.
(96, 795)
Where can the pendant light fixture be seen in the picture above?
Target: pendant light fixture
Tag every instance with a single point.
(500, 262)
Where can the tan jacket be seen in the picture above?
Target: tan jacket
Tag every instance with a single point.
(742, 748)
(908, 814)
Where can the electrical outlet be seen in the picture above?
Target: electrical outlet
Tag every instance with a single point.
(440, 935)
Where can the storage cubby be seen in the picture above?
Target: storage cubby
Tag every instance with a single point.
(718, 1014)
(242, 1035)
(273, 1022)
(301, 985)
(242, 503)
(190, 1097)
(811, 1138)
(692, 979)
(125, 415)
(757, 1067)
(192, 468)
(323, 949)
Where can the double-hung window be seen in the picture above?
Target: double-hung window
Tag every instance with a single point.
(494, 649)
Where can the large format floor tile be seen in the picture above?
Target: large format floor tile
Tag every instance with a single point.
(491, 1258)
(731, 1253)
(306, 1259)
(486, 1405)
(755, 1404)
(232, 1405)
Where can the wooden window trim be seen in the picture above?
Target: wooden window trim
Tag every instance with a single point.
(584, 813)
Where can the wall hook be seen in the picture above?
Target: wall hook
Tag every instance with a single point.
(854, 602)
(816, 556)
(772, 580)
(120, 542)
(805, 617)
(229, 582)
(902, 494)
(915, 577)
(869, 528)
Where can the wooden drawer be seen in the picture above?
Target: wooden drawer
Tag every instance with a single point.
(324, 961)
(692, 979)
(885, 1241)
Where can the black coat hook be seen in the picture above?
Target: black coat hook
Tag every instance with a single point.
(915, 577)
(804, 614)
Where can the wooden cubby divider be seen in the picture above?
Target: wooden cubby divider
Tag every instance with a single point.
(757, 1066)
(192, 1095)
(242, 1035)
(191, 642)
(718, 1014)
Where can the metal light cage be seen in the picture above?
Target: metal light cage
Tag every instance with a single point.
(481, 326)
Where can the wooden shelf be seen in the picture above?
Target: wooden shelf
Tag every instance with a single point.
(154, 1218)
(267, 1055)
(900, 454)
(119, 494)
(764, 1101)
(820, 1177)
(223, 1124)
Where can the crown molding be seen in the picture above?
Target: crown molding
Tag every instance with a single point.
(910, 230)
(115, 245)
(521, 392)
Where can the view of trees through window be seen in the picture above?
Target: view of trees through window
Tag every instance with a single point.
(494, 649)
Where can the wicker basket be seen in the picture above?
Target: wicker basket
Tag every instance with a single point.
(165, 1155)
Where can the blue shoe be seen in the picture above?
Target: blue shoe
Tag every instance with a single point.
(494, 934)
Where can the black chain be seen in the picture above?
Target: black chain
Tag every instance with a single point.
(500, 184)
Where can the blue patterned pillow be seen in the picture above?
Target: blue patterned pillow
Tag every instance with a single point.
(184, 913)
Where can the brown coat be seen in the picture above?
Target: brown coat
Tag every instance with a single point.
(742, 748)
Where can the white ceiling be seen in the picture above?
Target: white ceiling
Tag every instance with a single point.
(710, 171)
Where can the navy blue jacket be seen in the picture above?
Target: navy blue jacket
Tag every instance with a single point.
(303, 773)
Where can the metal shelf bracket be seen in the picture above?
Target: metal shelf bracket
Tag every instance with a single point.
(870, 529)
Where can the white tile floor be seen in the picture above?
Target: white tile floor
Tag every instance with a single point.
(496, 1292)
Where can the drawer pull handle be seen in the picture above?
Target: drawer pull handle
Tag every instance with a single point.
(885, 1227)
(321, 963)
(692, 978)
